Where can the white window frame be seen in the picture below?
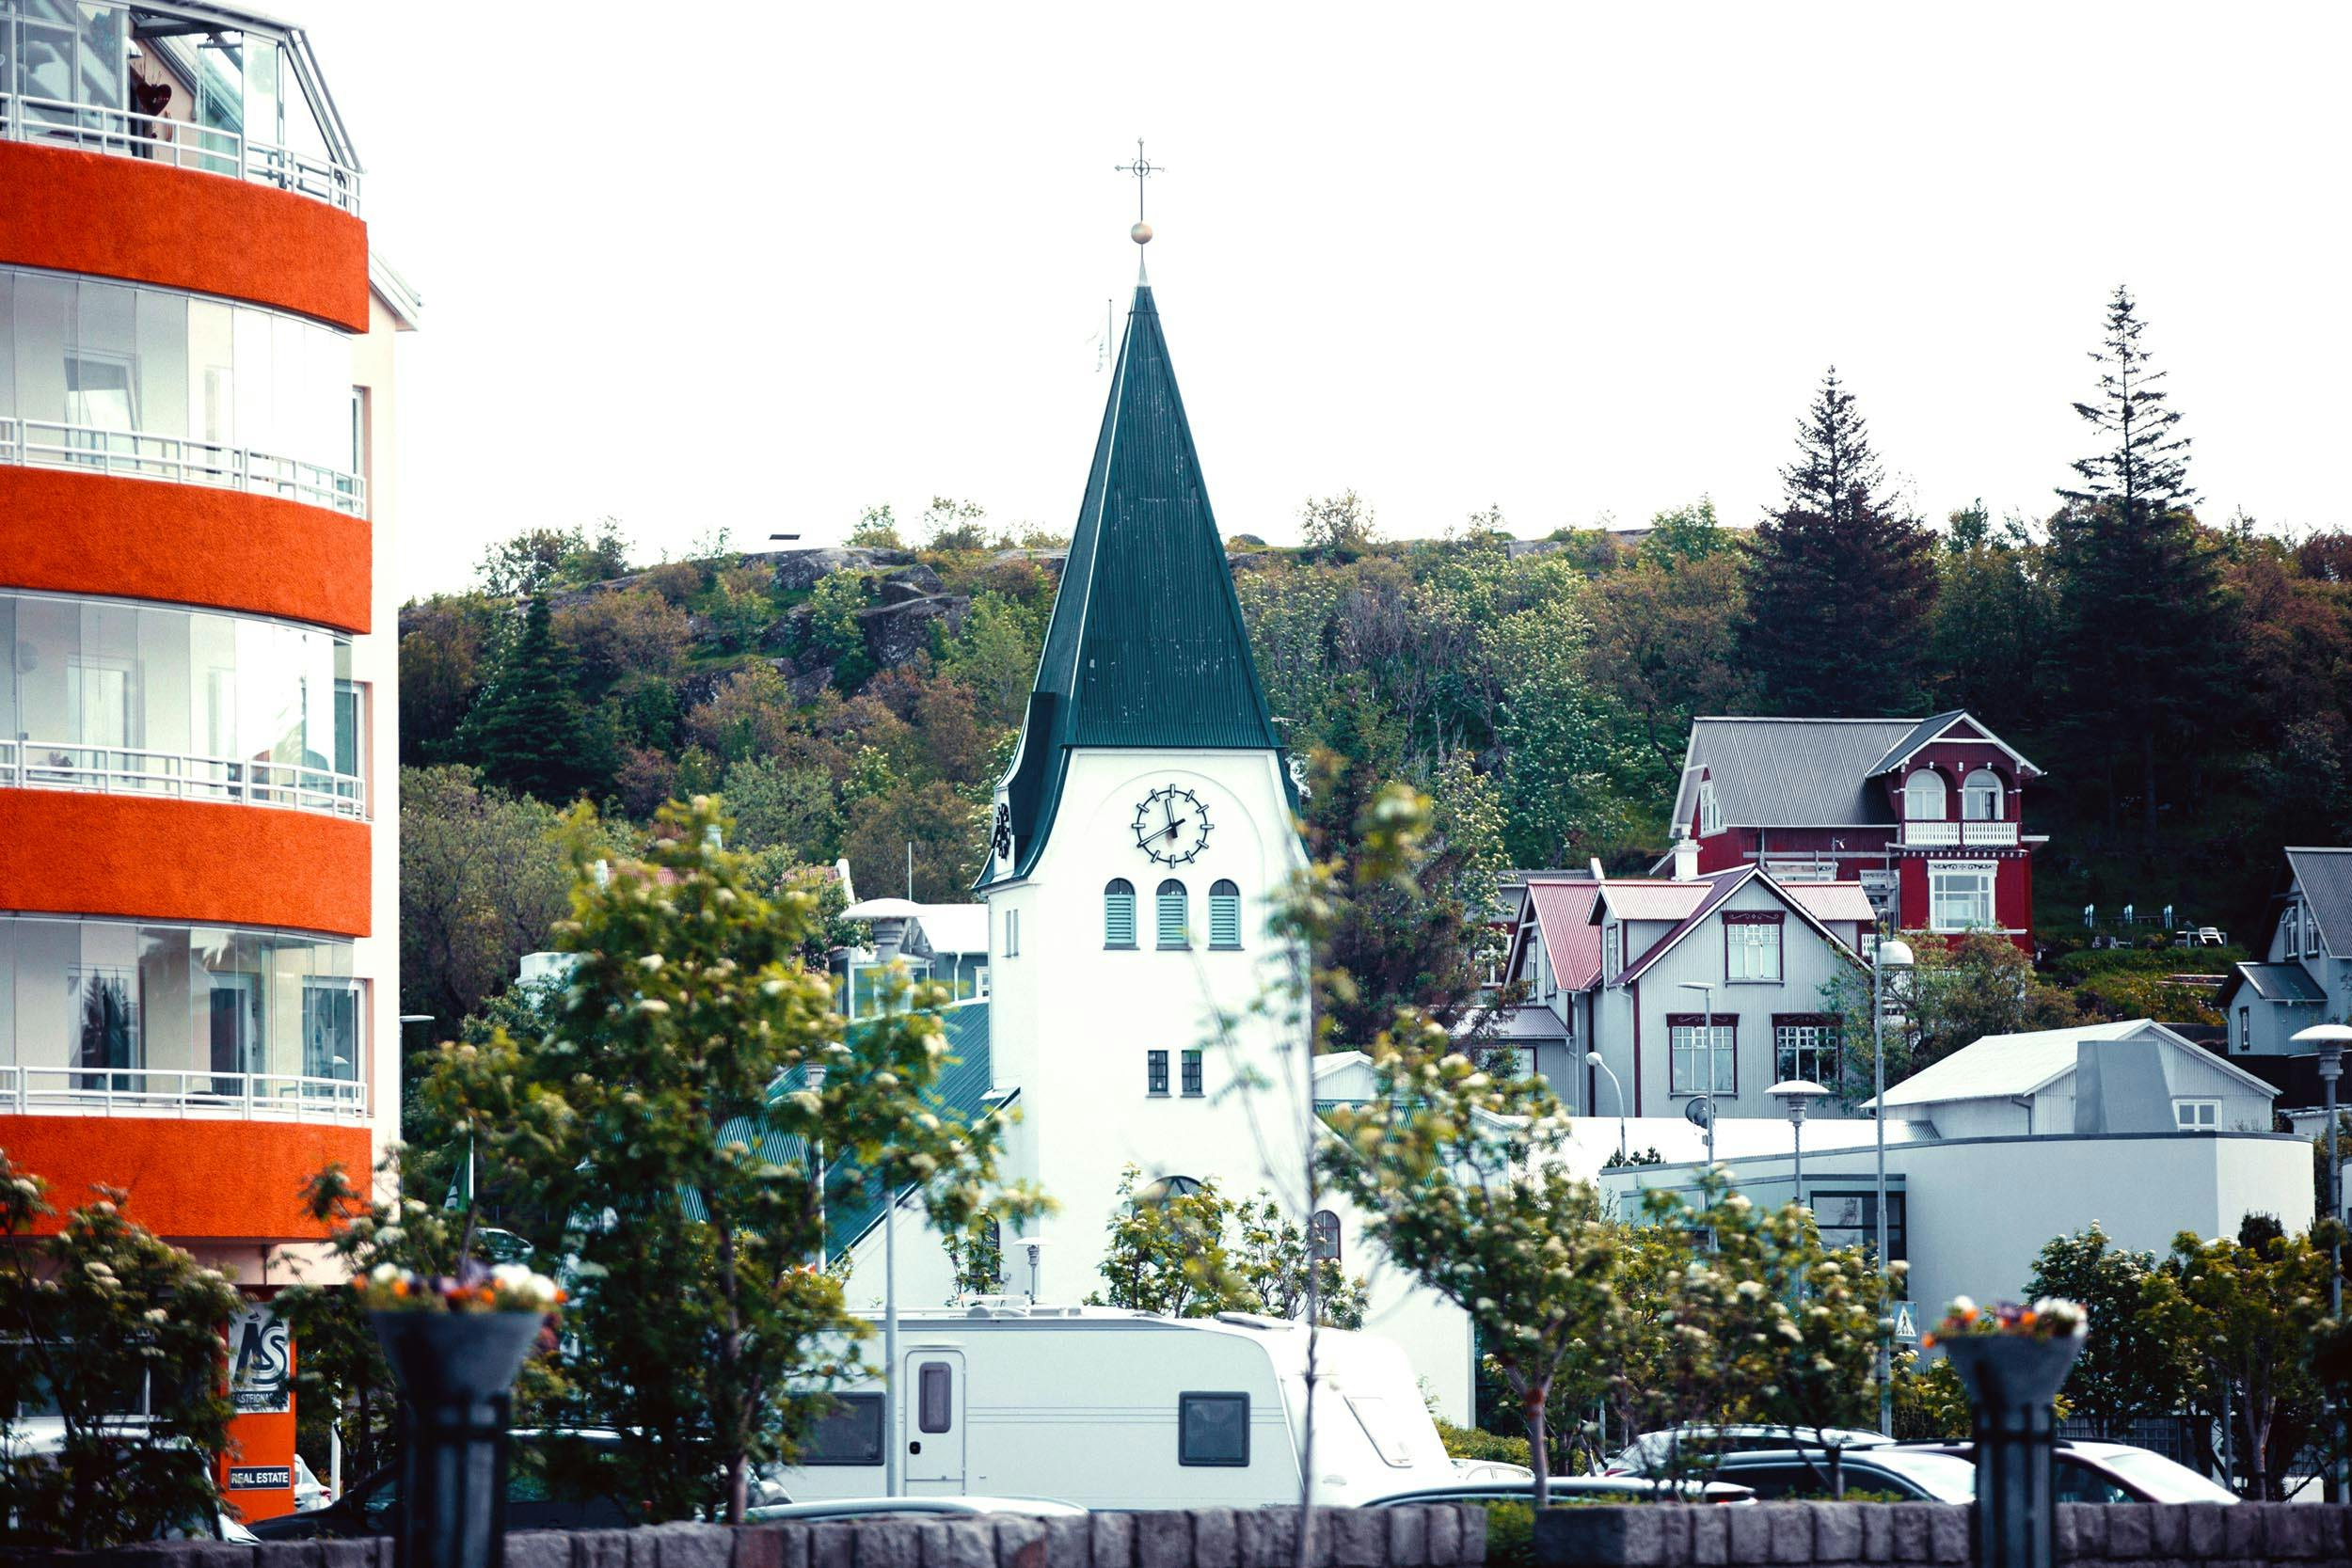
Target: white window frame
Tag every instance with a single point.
(2291, 927)
(1915, 798)
(1982, 782)
(1012, 933)
(1710, 809)
(2244, 1029)
(1939, 870)
(1683, 1046)
(2197, 1114)
(1741, 953)
(1807, 1047)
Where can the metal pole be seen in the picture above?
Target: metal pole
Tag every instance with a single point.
(2330, 1067)
(1878, 1116)
(890, 1348)
(1706, 1032)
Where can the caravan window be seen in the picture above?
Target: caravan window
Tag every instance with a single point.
(1213, 1429)
(935, 1397)
(850, 1434)
(1388, 1436)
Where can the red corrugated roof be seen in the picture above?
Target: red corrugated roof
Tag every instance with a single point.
(1564, 911)
(1710, 891)
(1635, 898)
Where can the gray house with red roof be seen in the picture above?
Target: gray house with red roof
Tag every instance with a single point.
(1926, 813)
(1682, 983)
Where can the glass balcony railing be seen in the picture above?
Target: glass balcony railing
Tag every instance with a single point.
(192, 87)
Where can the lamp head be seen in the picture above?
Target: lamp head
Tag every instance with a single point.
(1593, 1059)
(1895, 953)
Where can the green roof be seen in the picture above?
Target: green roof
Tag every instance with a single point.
(1146, 648)
(959, 1094)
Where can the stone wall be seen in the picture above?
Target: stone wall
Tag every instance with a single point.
(1852, 1535)
(1435, 1537)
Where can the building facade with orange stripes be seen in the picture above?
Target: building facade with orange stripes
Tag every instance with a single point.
(198, 984)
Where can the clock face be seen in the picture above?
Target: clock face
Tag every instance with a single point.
(1171, 826)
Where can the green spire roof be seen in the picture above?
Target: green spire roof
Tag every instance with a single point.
(1146, 648)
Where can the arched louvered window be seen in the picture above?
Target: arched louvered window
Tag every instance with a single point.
(1225, 915)
(1981, 797)
(1173, 916)
(1119, 913)
(1923, 797)
(1323, 1236)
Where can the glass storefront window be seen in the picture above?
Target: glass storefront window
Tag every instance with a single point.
(106, 694)
(177, 1012)
(170, 385)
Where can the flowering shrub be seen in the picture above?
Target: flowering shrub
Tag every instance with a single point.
(504, 1288)
(2046, 1319)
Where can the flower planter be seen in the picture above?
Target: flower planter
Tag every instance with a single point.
(457, 1373)
(2011, 1380)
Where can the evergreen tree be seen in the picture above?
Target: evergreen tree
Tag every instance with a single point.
(529, 733)
(1839, 579)
(2140, 633)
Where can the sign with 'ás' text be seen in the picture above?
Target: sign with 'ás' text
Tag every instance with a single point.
(260, 1366)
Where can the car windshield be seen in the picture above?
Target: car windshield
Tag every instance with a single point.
(2163, 1480)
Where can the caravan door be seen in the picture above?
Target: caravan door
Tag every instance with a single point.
(935, 1418)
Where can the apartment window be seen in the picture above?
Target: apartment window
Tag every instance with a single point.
(1710, 809)
(1155, 1073)
(1752, 947)
(850, 1432)
(1923, 797)
(1213, 1429)
(1981, 797)
(2197, 1116)
(1225, 914)
(330, 1029)
(1192, 1074)
(233, 1024)
(1119, 913)
(1960, 895)
(1851, 1219)
(1804, 1045)
(2246, 1029)
(1323, 1236)
(1173, 918)
(1694, 1043)
(105, 1023)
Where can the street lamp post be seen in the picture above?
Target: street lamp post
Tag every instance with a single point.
(1706, 1033)
(1795, 1094)
(2330, 1039)
(1617, 1089)
(1893, 953)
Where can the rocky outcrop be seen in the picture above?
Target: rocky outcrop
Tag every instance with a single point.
(798, 569)
(896, 633)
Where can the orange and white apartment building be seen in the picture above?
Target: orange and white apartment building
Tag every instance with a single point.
(199, 982)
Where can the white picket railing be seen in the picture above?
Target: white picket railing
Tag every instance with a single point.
(181, 460)
(129, 1091)
(35, 764)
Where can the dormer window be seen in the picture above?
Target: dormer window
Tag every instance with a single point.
(1923, 797)
(2291, 928)
(1981, 797)
(2310, 936)
(1710, 809)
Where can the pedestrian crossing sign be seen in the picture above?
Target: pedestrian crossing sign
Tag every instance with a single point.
(1906, 1323)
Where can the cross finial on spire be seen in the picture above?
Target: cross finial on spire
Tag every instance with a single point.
(1142, 168)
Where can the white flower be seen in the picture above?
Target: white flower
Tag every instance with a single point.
(650, 962)
(1750, 1288)
(392, 1235)
(156, 1315)
(652, 1004)
(384, 1273)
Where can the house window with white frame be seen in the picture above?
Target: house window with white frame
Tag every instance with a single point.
(2197, 1116)
(1695, 1042)
(1804, 1046)
(2311, 936)
(1752, 947)
(1960, 895)
(1923, 797)
(2244, 1029)
(2291, 926)
(1981, 797)
(1710, 809)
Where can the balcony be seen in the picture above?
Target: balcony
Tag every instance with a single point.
(177, 1092)
(132, 454)
(190, 87)
(180, 776)
(1954, 835)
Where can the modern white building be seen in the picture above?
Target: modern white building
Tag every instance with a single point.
(2134, 1075)
(1138, 839)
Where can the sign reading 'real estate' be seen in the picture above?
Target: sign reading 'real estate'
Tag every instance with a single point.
(261, 1378)
(260, 1477)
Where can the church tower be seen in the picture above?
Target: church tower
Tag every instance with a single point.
(1137, 838)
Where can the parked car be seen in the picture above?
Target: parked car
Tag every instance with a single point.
(2090, 1472)
(554, 1480)
(878, 1508)
(1118, 1409)
(1684, 1446)
(1631, 1489)
(1912, 1474)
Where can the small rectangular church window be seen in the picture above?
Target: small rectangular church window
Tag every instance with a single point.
(1155, 1072)
(1192, 1074)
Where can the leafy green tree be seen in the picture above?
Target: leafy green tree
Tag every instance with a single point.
(536, 560)
(1194, 1254)
(1960, 989)
(99, 1320)
(1339, 527)
(956, 525)
(2130, 1367)
(483, 880)
(996, 654)
(633, 631)
(1995, 613)
(1838, 577)
(1562, 760)
(775, 805)
(1664, 630)
(740, 607)
(680, 1056)
(1461, 1179)
(834, 632)
(876, 529)
(447, 645)
(944, 828)
(529, 732)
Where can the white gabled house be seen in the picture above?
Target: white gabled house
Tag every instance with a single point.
(2134, 1075)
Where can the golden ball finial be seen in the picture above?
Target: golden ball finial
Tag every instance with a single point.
(1140, 233)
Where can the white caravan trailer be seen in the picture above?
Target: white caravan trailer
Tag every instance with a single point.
(1115, 1409)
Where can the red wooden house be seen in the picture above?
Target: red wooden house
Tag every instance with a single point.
(1926, 813)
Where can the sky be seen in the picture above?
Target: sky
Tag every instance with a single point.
(1582, 263)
